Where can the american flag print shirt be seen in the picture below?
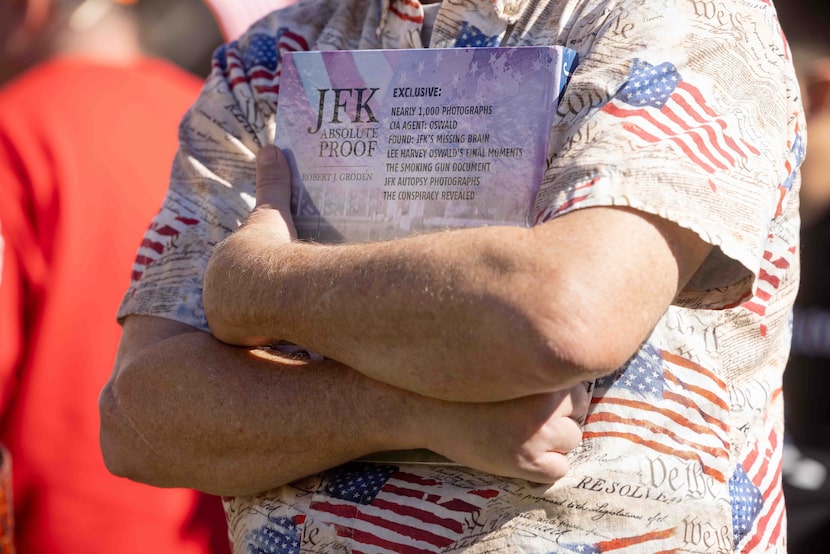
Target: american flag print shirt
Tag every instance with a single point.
(687, 110)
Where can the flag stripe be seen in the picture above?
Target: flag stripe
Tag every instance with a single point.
(712, 420)
(646, 407)
(348, 512)
(615, 544)
(638, 131)
(762, 532)
(389, 546)
(456, 504)
(697, 368)
(143, 260)
(406, 16)
(708, 127)
(702, 392)
(666, 403)
(547, 213)
(660, 447)
(698, 100)
(685, 131)
(152, 245)
(423, 515)
(659, 429)
(300, 43)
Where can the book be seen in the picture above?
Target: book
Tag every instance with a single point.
(386, 143)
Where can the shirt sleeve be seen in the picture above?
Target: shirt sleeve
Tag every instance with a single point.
(688, 118)
(212, 183)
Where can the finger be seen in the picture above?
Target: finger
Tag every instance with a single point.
(273, 195)
(565, 434)
(273, 179)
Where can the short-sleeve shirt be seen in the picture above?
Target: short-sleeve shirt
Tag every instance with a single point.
(687, 110)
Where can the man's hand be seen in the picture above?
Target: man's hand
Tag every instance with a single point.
(272, 213)
(527, 438)
(270, 221)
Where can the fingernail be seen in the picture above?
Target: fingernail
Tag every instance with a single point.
(268, 154)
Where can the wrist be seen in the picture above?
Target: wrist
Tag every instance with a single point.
(239, 289)
(408, 421)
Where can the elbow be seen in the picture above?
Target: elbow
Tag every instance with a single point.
(579, 340)
(117, 438)
(585, 352)
(125, 451)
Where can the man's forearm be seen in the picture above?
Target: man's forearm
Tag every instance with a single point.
(476, 315)
(441, 315)
(184, 410)
(193, 412)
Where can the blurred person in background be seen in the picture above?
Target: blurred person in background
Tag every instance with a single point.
(807, 379)
(87, 137)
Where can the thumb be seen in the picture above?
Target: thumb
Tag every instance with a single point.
(273, 193)
(273, 179)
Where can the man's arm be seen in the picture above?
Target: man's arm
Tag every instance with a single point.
(474, 314)
(185, 410)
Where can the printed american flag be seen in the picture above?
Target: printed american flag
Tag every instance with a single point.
(653, 541)
(470, 35)
(259, 64)
(770, 276)
(382, 509)
(757, 496)
(798, 149)
(279, 536)
(668, 404)
(658, 105)
(406, 11)
(166, 227)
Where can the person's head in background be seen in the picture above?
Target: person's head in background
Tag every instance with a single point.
(32, 31)
(111, 31)
(806, 24)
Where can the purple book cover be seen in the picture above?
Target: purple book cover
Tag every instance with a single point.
(386, 143)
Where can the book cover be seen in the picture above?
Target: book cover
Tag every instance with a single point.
(386, 143)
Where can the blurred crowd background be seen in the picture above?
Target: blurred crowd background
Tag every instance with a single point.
(89, 106)
(807, 379)
(185, 32)
(91, 96)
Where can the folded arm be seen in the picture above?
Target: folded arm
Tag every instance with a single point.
(185, 410)
(475, 314)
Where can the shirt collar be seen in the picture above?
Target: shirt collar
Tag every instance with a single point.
(401, 20)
